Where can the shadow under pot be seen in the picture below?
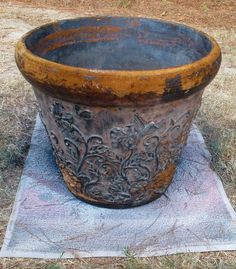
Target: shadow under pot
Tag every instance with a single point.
(117, 96)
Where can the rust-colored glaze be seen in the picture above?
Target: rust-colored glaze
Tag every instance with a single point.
(117, 133)
(155, 189)
(89, 34)
(162, 181)
(105, 97)
(119, 84)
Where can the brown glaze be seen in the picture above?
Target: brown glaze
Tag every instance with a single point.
(155, 188)
(78, 84)
(132, 153)
(118, 131)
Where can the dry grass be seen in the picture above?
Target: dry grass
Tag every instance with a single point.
(217, 260)
(216, 118)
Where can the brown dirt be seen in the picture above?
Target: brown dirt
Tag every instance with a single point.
(208, 13)
(217, 116)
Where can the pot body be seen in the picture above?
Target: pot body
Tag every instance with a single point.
(118, 156)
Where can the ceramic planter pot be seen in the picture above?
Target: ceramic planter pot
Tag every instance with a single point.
(117, 97)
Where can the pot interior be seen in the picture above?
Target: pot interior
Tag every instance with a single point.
(116, 43)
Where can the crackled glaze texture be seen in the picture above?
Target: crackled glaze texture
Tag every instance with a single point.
(116, 156)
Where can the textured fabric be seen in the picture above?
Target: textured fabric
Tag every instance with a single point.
(48, 221)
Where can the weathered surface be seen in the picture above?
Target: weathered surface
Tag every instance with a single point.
(118, 96)
(49, 222)
(76, 60)
(118, 156)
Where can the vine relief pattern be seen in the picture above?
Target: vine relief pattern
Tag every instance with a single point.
(118, 172)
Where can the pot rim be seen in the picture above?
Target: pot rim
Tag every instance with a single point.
(72, 78)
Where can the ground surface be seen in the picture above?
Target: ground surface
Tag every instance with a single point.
(216, 118)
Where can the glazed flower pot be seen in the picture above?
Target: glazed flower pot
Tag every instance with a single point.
(117, 97)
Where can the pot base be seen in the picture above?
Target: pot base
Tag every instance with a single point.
(152, 192)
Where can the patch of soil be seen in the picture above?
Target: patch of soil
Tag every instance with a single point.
(208, 13)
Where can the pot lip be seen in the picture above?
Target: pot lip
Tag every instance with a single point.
(215, 50)
(78, 84)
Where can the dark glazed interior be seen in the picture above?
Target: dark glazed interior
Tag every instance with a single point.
(116, 43)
